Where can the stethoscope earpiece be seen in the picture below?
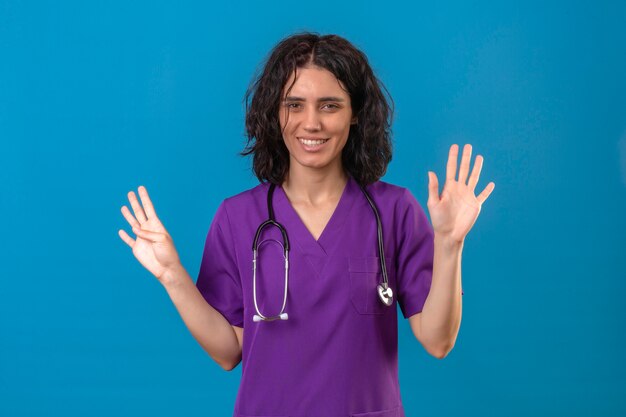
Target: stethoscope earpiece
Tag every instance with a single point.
(257, 318)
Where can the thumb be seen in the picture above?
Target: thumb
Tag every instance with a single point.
(433, 189)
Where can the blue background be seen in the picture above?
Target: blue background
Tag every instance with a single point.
(97, 98)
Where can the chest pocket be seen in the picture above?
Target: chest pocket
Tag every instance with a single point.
(365, 275)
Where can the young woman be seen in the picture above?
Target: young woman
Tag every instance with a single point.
(313, 261)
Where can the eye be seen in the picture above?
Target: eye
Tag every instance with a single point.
(330, 106)
(292, 105)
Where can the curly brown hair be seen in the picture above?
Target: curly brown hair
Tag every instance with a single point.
(368, 150)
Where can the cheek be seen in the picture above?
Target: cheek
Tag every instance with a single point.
(341, 126)
(289, 120)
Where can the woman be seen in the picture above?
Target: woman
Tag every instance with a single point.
(317, 301)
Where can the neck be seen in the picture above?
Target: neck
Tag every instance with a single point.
(314, 187)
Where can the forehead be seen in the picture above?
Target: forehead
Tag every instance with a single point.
(314, 82)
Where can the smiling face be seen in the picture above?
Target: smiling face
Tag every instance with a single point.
(315, 118)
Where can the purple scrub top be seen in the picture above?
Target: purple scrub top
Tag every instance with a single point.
(337, 354)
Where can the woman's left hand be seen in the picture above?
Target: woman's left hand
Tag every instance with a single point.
(454, 212)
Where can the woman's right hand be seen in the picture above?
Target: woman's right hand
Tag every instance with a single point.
(154, 247)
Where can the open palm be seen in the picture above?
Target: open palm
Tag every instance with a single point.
(154, 247)
(454, 212)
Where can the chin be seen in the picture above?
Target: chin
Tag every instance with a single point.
(314, 163)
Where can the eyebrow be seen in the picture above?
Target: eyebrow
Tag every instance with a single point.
(321, 99)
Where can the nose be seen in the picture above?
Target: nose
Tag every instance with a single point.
(312, 120)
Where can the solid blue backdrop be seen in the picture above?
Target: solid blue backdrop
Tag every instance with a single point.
(97, 98)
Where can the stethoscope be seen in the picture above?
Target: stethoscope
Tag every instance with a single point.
(384, 291)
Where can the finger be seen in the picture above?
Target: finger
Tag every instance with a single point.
(147, 203)
(452, 160)
(129, 240)
(139, 213)
(478, 166)
(154, 237)
(433, 189)
(486, 192)
(129, 217)
(465, 162)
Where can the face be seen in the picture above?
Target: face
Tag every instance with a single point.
(315, 116)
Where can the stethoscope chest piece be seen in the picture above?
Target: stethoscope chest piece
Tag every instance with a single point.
(385, 293)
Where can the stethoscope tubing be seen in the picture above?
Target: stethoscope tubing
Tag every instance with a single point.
(271, 221)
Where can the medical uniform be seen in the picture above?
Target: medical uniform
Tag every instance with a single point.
(337, 354)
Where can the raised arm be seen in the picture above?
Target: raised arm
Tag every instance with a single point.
(155, 250)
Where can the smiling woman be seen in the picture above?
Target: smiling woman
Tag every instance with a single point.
(316, 119)
(301, 276)
(316, 86)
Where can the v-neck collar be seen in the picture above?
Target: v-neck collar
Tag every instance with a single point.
(297, 231)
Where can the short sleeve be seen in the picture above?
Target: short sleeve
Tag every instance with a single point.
(414, 262)
(218, 280)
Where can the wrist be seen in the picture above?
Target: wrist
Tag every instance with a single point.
(173, 276)
(448, 243)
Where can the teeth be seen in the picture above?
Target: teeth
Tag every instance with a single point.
(312, 142)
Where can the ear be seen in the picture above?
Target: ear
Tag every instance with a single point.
(354, 121)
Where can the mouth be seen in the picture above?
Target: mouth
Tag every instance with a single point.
(310, 144)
